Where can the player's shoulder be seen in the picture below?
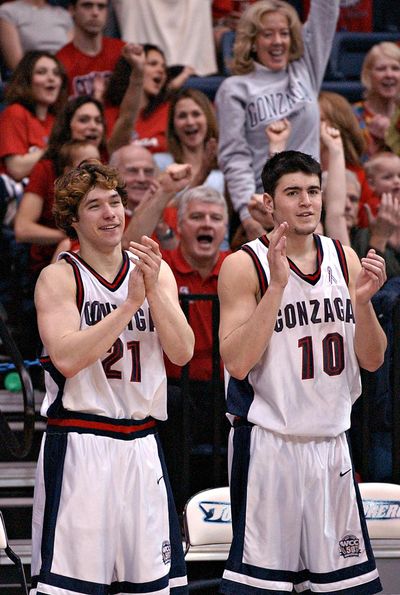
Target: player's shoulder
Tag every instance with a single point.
(238, 268)
(57, 276)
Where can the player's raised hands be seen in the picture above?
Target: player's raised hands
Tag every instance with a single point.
(149, 260)
(175, 178)
(371, 277)
(136, 288)
(277, 260)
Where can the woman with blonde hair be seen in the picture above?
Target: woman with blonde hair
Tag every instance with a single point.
(278, 68)
(380, 76)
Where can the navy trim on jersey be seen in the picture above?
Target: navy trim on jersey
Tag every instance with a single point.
(91, 588)
(78, 280)
(342, 260)
(178, 566)
(239, 397)
(55, 448)
(54, 456)
(312, 278)
(99, 425)
(120, 277)
(262, 277)
(239, 474)
(59, 380)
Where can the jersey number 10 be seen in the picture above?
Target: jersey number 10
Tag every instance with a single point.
(332, 355)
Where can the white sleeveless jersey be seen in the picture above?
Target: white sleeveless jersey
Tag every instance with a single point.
(129, 381)
(308, 377)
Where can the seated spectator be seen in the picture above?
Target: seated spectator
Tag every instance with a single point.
(36, 92)
(337, 112)
(73, 152)
(151, 124)
(27, 25)
(392, 137)
(192, 137)
(182, 29)
(90, 57)
(202, 222)
(380, 76)
(381, 228)
(137, 167)
(278, 66)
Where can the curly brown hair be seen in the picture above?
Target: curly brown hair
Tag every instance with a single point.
(72, 187)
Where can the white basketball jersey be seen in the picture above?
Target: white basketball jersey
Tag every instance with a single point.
(129, 381)
(308, 377)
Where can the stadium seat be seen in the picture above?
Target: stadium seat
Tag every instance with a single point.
(207, 525)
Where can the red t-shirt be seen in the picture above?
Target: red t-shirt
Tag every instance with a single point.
(200, 313)
(355, 17)
(150, 132)
(81, 68)
(41, 182)
(21, 131)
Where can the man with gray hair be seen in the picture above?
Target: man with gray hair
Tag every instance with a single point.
(202, 224)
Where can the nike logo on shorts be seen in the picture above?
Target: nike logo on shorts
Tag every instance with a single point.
(344, 472)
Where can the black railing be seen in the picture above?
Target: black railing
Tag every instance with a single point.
(11, 442)
(217, 448)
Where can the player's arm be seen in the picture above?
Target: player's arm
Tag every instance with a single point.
(365, 279)
(246, 324)
(71, 349)
(176, 336)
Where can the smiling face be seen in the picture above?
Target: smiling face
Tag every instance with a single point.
(190, 123)
(385, 77)
(46, 81)
(386, 176)
(202, 230)
(136, 166)
(87, 124)
(101, 218)
(154, 74)
(298, 201)
(272, 42)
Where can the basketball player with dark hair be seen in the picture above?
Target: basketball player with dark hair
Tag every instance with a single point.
(103, 517)
(296, 324)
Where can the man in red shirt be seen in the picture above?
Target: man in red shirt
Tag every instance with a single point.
(90, 57)
(196, 262)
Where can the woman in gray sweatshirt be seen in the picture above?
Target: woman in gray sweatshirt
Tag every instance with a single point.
(278, 66)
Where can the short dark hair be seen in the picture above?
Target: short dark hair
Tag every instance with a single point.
(287, 162)
(72, 187)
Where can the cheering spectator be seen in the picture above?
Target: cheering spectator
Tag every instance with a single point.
(380, 76)
(279, 69)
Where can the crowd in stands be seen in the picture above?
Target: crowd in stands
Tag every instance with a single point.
(191, 166)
